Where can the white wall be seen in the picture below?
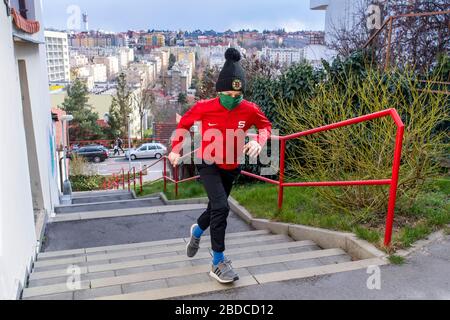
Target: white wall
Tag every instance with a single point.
(18, 241)
(340, 14)
(18, 238)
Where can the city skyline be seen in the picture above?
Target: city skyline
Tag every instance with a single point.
(251, 14)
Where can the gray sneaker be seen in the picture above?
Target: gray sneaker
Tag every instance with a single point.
(224, 272)
(193, 245)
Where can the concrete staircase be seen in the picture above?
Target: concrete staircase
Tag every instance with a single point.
(161, 269)
(108, 200)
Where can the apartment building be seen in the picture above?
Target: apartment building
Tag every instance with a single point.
(179, 78)
(78, 60)
(58, 61)
(284, 56)
(125, 56)
(96, 71)
(29, 184)
(164, 55)
(112, 66)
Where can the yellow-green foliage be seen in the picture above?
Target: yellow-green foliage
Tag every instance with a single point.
(365, 151)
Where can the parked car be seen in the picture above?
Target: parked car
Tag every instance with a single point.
(95, 154)
(148, 150)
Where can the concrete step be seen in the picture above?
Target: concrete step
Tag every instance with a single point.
(185, 275)
(250, 280)
(149, 253)
(88, 194)
(109, 205)
(125, 212)
(161, 269)
(102, 198)
(180, 258)
(132, 246)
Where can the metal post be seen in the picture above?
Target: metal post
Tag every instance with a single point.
(123, 179)
(129, 183)
(134, 179)
(129, 143)
(176, 180)
(165, 174)
(141, 182)
(394, 186)
(388, 50)
(64, 150)
(282, 171)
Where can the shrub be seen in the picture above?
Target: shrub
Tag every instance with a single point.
(365, 151)
(86, 183)
(78, 166)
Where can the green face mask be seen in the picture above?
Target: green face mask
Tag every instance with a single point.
(229, 102)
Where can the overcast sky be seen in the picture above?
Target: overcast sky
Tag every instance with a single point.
(123, 15)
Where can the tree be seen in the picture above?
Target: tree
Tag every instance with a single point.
(416, 42)
(84, 126)
(183, 103)
(172, 61)
(144, 99)
(256, 68)
(121, 107)
(207, 84)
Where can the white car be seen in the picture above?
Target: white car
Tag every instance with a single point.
(148, 150)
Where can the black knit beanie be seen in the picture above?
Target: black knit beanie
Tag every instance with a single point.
(232, 76)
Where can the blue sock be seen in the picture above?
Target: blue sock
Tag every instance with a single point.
(218, 257)
(198, 232)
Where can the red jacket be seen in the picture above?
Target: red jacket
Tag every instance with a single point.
(216, 121)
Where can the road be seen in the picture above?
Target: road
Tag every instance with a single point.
(115, 165)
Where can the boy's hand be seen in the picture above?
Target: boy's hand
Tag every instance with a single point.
(174, 158)
(252, 149)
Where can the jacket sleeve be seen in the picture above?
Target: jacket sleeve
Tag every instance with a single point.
(264, 126)
(186, 122)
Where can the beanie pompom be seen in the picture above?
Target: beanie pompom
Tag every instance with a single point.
(233, 55)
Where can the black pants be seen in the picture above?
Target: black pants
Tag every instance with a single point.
(218, 184)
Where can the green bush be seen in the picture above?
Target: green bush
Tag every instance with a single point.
(86, 183)
(365, 151)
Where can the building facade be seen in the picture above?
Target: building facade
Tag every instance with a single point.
(284, 56)
(340, 15)
(112, 66)
(57, 56)
(29, 186)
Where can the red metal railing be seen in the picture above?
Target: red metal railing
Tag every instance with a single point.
(392, 182)
(124, 180)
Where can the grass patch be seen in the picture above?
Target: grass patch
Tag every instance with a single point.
(397, 260)
(373, 236)
(415, 220)
(188, 190)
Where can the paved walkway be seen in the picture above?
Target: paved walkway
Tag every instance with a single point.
(121, 230)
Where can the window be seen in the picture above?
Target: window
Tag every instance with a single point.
(142, 149)
(23, 9)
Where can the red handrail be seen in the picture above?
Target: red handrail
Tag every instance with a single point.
(393, 182)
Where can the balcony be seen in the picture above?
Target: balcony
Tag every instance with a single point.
(24, 28)
(319, 4)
